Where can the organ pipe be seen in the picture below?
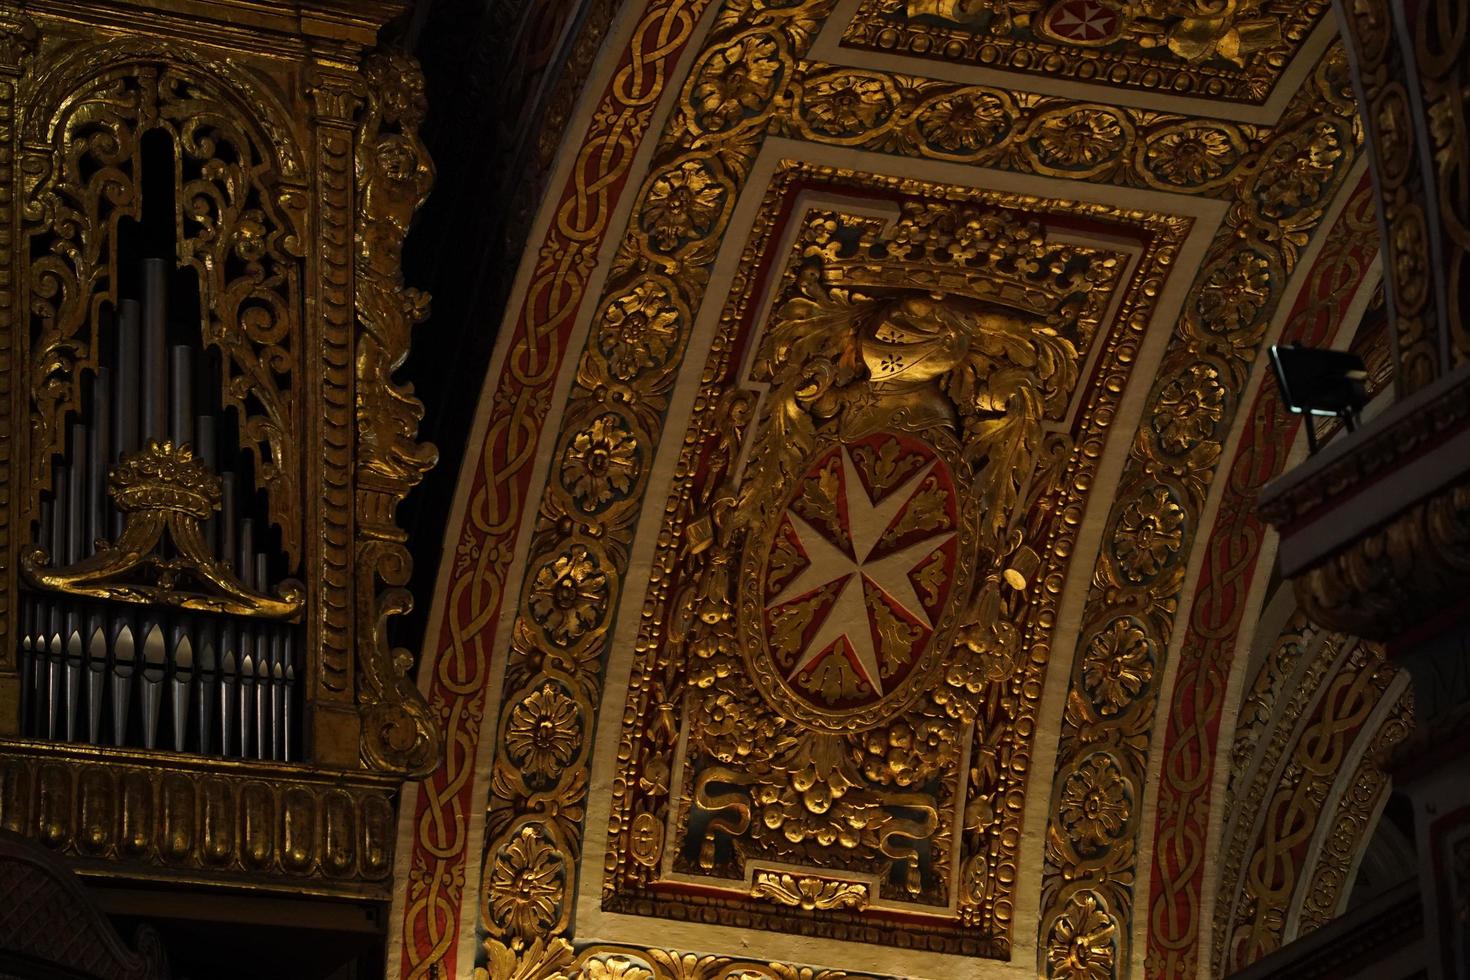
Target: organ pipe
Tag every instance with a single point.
(181, 395)
(155, 355)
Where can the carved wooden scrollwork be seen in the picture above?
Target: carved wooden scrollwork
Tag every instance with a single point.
(240, 227)
(162, 490)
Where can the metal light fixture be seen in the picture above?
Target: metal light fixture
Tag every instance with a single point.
(1315, 381)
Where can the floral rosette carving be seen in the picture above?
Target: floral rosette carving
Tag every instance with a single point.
(1082, 943)
(525, 894)
(1191, 155)
(846, 105)
(1078, 141)
(734, 83)
(639, 328)
(966, 122)
(685, 203)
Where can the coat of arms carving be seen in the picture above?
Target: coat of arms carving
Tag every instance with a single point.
(830, 715)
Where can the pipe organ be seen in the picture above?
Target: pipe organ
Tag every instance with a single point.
(151, 495)
(202, 443)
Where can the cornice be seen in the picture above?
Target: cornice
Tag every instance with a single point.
(1407, 430)
(1375, 529)
(288, 27)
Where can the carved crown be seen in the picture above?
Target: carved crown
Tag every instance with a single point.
(162, 476)
(990, 254)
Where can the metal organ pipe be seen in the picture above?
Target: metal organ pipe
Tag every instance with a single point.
(155, 352)
(124, 652)
(96, 676)
(127, 405)
(33, 667)
(179, 684)
(100, 459)
(290, 685)
(181, 395)
(26, 607)
(155, 664)
(205, 668)
(207, 451)
(228, 664)
(61, 482)
(77, 475)
(268, 668)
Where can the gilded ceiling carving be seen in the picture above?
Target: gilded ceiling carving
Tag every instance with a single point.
(1020, 131)
(1140, 574)
(843, 643)
(1320, 718)
(1309, 744)
(1234, 50)
(543, 960)
(1327, 878)
(828, 725)
(1235, 554)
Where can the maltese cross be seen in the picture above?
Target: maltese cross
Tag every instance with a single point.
(1083, 20)
(848, 618)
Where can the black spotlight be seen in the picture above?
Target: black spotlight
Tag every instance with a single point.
(1317, 381)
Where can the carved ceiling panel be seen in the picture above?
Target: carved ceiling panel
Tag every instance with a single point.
(1233, 50)
(844, 638)
(761, 570)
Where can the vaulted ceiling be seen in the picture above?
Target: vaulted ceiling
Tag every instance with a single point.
(851, 559)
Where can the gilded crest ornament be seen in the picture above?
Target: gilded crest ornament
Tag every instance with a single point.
(832, 612)
(162, 490)
(877, 511)
(856, 577)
